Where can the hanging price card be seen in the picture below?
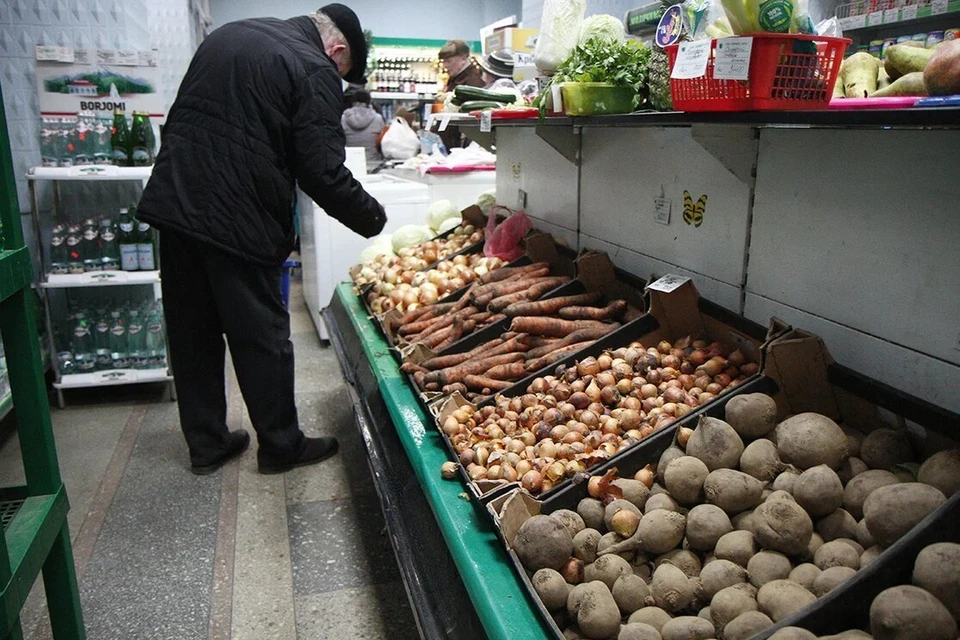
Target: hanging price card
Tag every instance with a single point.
(937, 7)
(857, 22)
(875, 19)
(486, 120)
(891, 15)
(732, 59)
(909, 12)
(692, 60)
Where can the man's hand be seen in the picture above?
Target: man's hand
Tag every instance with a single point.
(375, 223)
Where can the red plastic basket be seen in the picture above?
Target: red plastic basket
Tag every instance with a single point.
(786, 73)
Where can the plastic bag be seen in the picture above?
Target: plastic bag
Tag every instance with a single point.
(504, 240)
(559, 31)
(830, 27)
(400, 142)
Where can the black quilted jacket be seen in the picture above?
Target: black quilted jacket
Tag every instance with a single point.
(258, 111)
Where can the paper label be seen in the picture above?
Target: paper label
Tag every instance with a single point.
(83, 56)
(732, 59)
(128, 58)
(857, 22)
(668, 283)
(46, 53)
(875, 18)
(65, 54)
(107, 56)
(891, 15)
(147, 58)
(444, 122)
(937, 7)
(909, 12)
(486, 120)
(692, 60)
(662, 207)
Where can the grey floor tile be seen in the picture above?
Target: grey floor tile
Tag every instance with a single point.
(373, 612)
(339, 544)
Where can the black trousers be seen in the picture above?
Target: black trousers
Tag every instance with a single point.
(207, 294)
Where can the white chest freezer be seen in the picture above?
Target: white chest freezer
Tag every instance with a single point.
(328, 249)
(462, 189)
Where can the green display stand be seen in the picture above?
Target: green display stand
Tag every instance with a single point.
(34, 515)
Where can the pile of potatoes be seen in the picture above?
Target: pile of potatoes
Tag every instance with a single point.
(748, 523)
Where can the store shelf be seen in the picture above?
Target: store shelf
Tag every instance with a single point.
(100, 279)
(89, 172)
(111, 377)
(860, 24)
(393, 95)
(16, 272)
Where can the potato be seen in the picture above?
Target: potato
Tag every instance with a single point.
(906, 612)
(585, 545)
(595, 611)
(810, 439)
(761, 460)
(884, 448)
(591, 511)
(752, 415)
(854, 440)
(768, 566)
(729, 603)
(781, 599)
(831, 578)
(715, 443)
(607, 569)
(937, 569)
(569, 519)
(551, 589)
(638, 631)
(661, 501)
(706, 524)
(653, 616)
(805, 575)
(737, 547)
(660, 531)
(792, 633)
(869, 555)
(732, 491)
(786, 480)
(682, 559)
(671, 589)
(782, 526)
(862, 535)
(851, 468)
(672, 453)
(853, 543)
(819, 491)
(838, 524)
(863, 485)
(836, 554)
(780, 495)
(634, 491)
(942, 470)
(631, 593)
(719, 575)
(543, 542)
(684, 479)
(745, 625)
(893, 510)
(687, 628)
(616, 505)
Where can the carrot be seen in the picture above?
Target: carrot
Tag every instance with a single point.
(509, 334)
(451, 389)
(612, 310)
(431, 386)
(485, 384)
(455, 374)
(481, 317)
(505, 273)
(455, 330)
(452, 360)
(418, 378)
(538, 341)
(466, 327)
(415, 314)
(510, 371)
(559, 354)
(532, 293)
(551, 327)
(411, 368)
(551, 305)
(513, 345)
(580, 335)
(444, 322)
(511, 286)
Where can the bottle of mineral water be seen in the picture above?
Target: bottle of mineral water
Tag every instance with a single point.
(109, 245)
(127, 239)
(146, 250)
(156, 340)
(136, 340)
(84, 345)
(90, 246)
(74, 248)
(119, 358)
(59, 256)
(102, 340)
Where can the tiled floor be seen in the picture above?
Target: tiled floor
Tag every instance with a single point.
(162, 554)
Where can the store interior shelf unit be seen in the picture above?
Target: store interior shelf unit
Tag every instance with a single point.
(89, 172)
(858, 17)
(112, 377)
(100, 279)
(388, 95)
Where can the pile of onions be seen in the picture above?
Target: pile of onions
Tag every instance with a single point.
(419, 257)
(407, 290)
(586, 413)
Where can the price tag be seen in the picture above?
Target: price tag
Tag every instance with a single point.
(857, 22)
(875, 18)
(891, 15)
(107, 56)
(732, 59)
(83, 56)
(486, 120)
(692, 60)
(46, 53)
(662, 207)
(65, 54)
(937, 7)
(909, 12)
(444, 122)
(669, 282)
(128, 58)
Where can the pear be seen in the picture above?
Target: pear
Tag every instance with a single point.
(905, 58)
(910, 84)
(883, 79)
(859, 75)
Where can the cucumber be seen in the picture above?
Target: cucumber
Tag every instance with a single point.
(480, 105)
(464, 93)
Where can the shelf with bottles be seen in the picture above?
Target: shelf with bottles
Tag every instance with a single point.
(883, 15)
(400, 71)
(90, 140)
(90, 172)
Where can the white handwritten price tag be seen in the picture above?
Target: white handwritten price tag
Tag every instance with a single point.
(669, 282)
(909, 12)
(444, 122)
(875, 18)
(937, 7)
(662, 208)
(891, 15)
(692, 60)
(486, 120)
(858, 22)
(732, 59)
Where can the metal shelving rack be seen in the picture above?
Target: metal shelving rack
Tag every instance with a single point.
(91, 173)
(35, 534)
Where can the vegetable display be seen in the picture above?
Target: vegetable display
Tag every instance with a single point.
(908, 69)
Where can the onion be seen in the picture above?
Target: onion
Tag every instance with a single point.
(645, 475)
(683, 436)
(750, 368)
(593, 487)
(532, 481)
(593, 391)
(572, 571)
(588, 367)
(604, 362)
(736, 358)
(664, 347)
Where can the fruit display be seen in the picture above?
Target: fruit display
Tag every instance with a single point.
(908, 69)
(743, 523)
(588, 412)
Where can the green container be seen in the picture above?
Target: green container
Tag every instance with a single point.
(596, 98)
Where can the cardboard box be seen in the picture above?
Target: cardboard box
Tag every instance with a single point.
(511, 39)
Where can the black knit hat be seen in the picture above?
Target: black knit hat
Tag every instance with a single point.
(349, 25)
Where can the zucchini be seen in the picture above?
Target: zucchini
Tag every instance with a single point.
(464, 93)
(480, 105)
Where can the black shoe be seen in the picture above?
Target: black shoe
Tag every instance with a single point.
(237, 443)
(316, 450)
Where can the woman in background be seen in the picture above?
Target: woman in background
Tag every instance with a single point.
(361, 124)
